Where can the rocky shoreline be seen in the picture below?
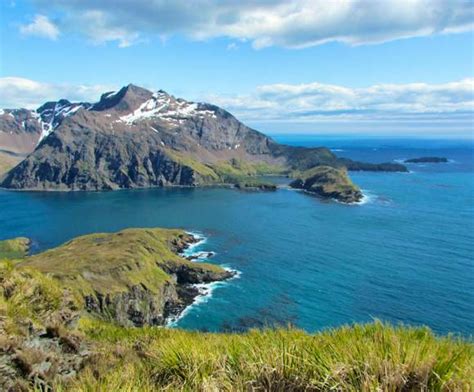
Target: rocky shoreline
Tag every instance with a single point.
(191, 288)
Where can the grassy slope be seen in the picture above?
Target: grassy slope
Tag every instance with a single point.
(113, 262)
(207, 174)
(233, 172)
(372, 357)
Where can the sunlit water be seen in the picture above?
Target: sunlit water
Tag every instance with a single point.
(406, 255)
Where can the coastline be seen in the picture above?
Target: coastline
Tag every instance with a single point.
(198, 293)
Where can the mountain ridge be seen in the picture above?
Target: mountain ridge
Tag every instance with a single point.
(135, 138)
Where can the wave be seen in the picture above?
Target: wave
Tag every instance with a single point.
(400, 160)
(337, 150)
(190, 250)
(205, 294)
(367, 198)
(205, 289)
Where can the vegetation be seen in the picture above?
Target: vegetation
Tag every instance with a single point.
(16, 248)
(236, 172)
(244, 174)
(204, 171)
(48, 340)
(372, 357)
(114, 262)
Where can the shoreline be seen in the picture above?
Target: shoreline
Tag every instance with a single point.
(198, 293)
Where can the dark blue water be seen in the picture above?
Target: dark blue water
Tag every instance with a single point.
(407, 255)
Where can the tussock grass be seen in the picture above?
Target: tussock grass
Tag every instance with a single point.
(16, 248)
(370, 357)
(30, 297)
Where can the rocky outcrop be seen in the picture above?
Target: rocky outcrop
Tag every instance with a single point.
(137, 306)
(328, 182)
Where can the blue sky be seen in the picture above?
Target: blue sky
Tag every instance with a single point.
(396, 68)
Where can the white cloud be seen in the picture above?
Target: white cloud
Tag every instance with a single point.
(26, 93)
(420, 107)
(41, 26)
(317, 103)
(292, 24)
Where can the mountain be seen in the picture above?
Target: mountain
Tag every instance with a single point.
(136, 138)
(21, 130)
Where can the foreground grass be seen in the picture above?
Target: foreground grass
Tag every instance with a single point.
(34, 300)
(371, 357)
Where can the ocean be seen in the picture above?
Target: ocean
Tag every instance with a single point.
(405, 255)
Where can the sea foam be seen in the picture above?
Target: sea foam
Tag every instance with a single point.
(205, 289)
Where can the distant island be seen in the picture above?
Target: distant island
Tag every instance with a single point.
(427, 160)
(134, 138)
(84, 316)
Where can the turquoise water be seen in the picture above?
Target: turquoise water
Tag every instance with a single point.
(404, 256)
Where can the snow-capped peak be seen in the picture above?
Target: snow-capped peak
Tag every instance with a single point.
(167, 108)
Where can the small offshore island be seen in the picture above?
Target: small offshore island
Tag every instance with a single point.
(85, 316)
(328, 182)
(427, 160)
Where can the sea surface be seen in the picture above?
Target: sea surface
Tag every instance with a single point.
(405, 255)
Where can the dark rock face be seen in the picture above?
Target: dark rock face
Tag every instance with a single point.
(127, 99)
(427, 160)
(137, 307)
(67, 160)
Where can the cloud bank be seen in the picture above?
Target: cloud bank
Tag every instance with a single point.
(417, 106)
(290, 24)
(316, 100)
(30, 94)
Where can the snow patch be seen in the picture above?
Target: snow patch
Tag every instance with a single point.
(56, 114)
(165, 107)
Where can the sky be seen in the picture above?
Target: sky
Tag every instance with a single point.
(359, 67)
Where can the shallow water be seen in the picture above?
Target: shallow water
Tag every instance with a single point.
(405, 256)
